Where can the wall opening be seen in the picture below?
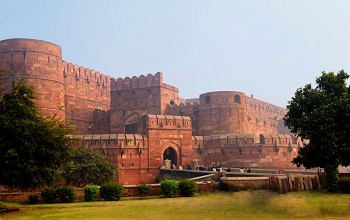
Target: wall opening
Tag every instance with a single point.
(207, 99)
(170, 154)
(237, 99)
(131, 128)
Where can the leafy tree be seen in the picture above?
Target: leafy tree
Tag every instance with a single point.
(321, 117)
(32, 147)
(87, 166)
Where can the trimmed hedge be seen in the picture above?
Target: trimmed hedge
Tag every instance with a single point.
(66, 194)
(143, 189)
(49, 195)
(188, 188)
(90, 193)
(33, 198)
(111, 192)
(344, 184)
(169, 188)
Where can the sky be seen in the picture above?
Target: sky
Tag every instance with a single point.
(264, 48)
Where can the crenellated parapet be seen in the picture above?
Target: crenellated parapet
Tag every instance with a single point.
(112, 141)
(239, 150)
(137, 82)
(187, 109)
(86, 76)
(86, 91)
(168, 122)
(264, 109)
(264, 117)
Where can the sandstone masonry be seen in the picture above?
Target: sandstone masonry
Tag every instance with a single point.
(139, 122)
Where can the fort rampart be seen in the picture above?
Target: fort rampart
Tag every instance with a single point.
(140, 122)
(67, 91)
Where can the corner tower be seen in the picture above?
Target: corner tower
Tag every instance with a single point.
(40, 63)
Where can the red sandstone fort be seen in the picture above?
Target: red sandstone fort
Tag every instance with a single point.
(140, 122)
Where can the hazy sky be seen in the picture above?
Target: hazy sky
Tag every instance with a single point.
(265, 48)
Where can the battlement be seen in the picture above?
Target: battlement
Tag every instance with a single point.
(82, 73)
(284, 140)
(264, 108)
(137, 82)
(229, 139)
(183, 109)
(168, 122)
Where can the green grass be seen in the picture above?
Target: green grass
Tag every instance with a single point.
(221, 205)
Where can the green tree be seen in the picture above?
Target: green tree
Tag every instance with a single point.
(320, 116)
(87, 166)
(32, 147)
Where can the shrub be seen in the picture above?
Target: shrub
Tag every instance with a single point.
(2, 205)
(33, 198)
(90, 193)
(111, 192)
(143, 189)
(224, 186)
(49, 195)
(66, 194)
(169, 188)
(344, 184)
(188, 188)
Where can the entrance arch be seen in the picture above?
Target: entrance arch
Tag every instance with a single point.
(170, 154)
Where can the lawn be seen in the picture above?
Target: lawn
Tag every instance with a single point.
(257, 204)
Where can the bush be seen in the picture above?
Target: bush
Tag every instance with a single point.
(188, 188)
(344, 184)
(111, 192)
(143, 189)
(2, 205)
(66, 194)
(90, 193)
(33, 198)
(169, 188)
(49, 195)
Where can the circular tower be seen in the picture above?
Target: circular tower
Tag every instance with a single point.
(222, 113)
(40, 63)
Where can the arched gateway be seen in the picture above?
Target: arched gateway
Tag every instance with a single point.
(170, 154)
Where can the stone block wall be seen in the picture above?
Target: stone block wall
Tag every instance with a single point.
(40, 63)
(87, 92)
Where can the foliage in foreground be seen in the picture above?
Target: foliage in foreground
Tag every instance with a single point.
(32, 147)
(143, 189)
(344, 184)
(49, 195)
(111, 191)
(33, 198)
(321, 116)
(188, 188)
(66, 194)
(169, 188)
(87, 166)
(252, 204)
(90, 193)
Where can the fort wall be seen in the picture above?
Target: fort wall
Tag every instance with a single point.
(139, 122)
(140, 95)
(139, 161)
(66, 91)
(264, 117)
(87, 93)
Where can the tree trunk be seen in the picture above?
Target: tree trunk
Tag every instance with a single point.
(332, 177)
